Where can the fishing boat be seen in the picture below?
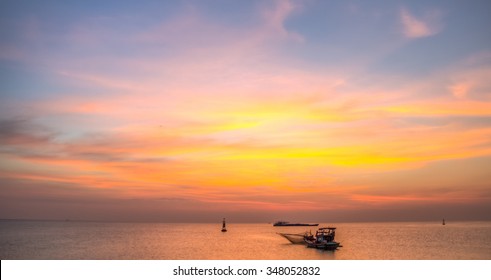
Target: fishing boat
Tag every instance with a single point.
(297, 238)
(323, 239)
(224, 228)
(288, 224)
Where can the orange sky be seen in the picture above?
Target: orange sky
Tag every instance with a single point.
(191, 115)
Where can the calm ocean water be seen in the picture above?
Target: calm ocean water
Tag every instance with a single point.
(365, 241)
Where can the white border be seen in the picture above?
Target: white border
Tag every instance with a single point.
(163, 270)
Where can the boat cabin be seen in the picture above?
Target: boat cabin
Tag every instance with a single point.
(325, 234)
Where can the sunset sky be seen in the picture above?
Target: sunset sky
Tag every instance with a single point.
(190, 111)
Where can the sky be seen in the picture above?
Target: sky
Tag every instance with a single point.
(190, 111)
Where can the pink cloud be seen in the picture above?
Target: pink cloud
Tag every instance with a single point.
(275, 17)
(414, 27)
(460, 90)
(471, 83)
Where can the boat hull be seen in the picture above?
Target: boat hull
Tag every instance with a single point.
(296, 238)
(323, 245)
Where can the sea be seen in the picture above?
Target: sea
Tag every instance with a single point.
(73, 240)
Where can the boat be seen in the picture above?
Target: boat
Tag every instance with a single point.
(287, 224)
(297, 238)
(224, 229)
(323, 239)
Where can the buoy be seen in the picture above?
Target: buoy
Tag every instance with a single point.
(224, 229)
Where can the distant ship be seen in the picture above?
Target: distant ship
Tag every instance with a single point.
(287, 224)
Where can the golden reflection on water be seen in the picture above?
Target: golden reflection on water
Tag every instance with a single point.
(90, 240)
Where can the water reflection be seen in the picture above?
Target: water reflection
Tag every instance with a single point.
(82, 240)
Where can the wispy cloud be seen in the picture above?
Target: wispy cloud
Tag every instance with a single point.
(275, 17)
(471, 82)
(415, 27)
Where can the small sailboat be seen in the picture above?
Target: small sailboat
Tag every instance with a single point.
(224, 228)
(443, 222)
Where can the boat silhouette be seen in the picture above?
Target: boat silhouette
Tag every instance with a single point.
(288, 224)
